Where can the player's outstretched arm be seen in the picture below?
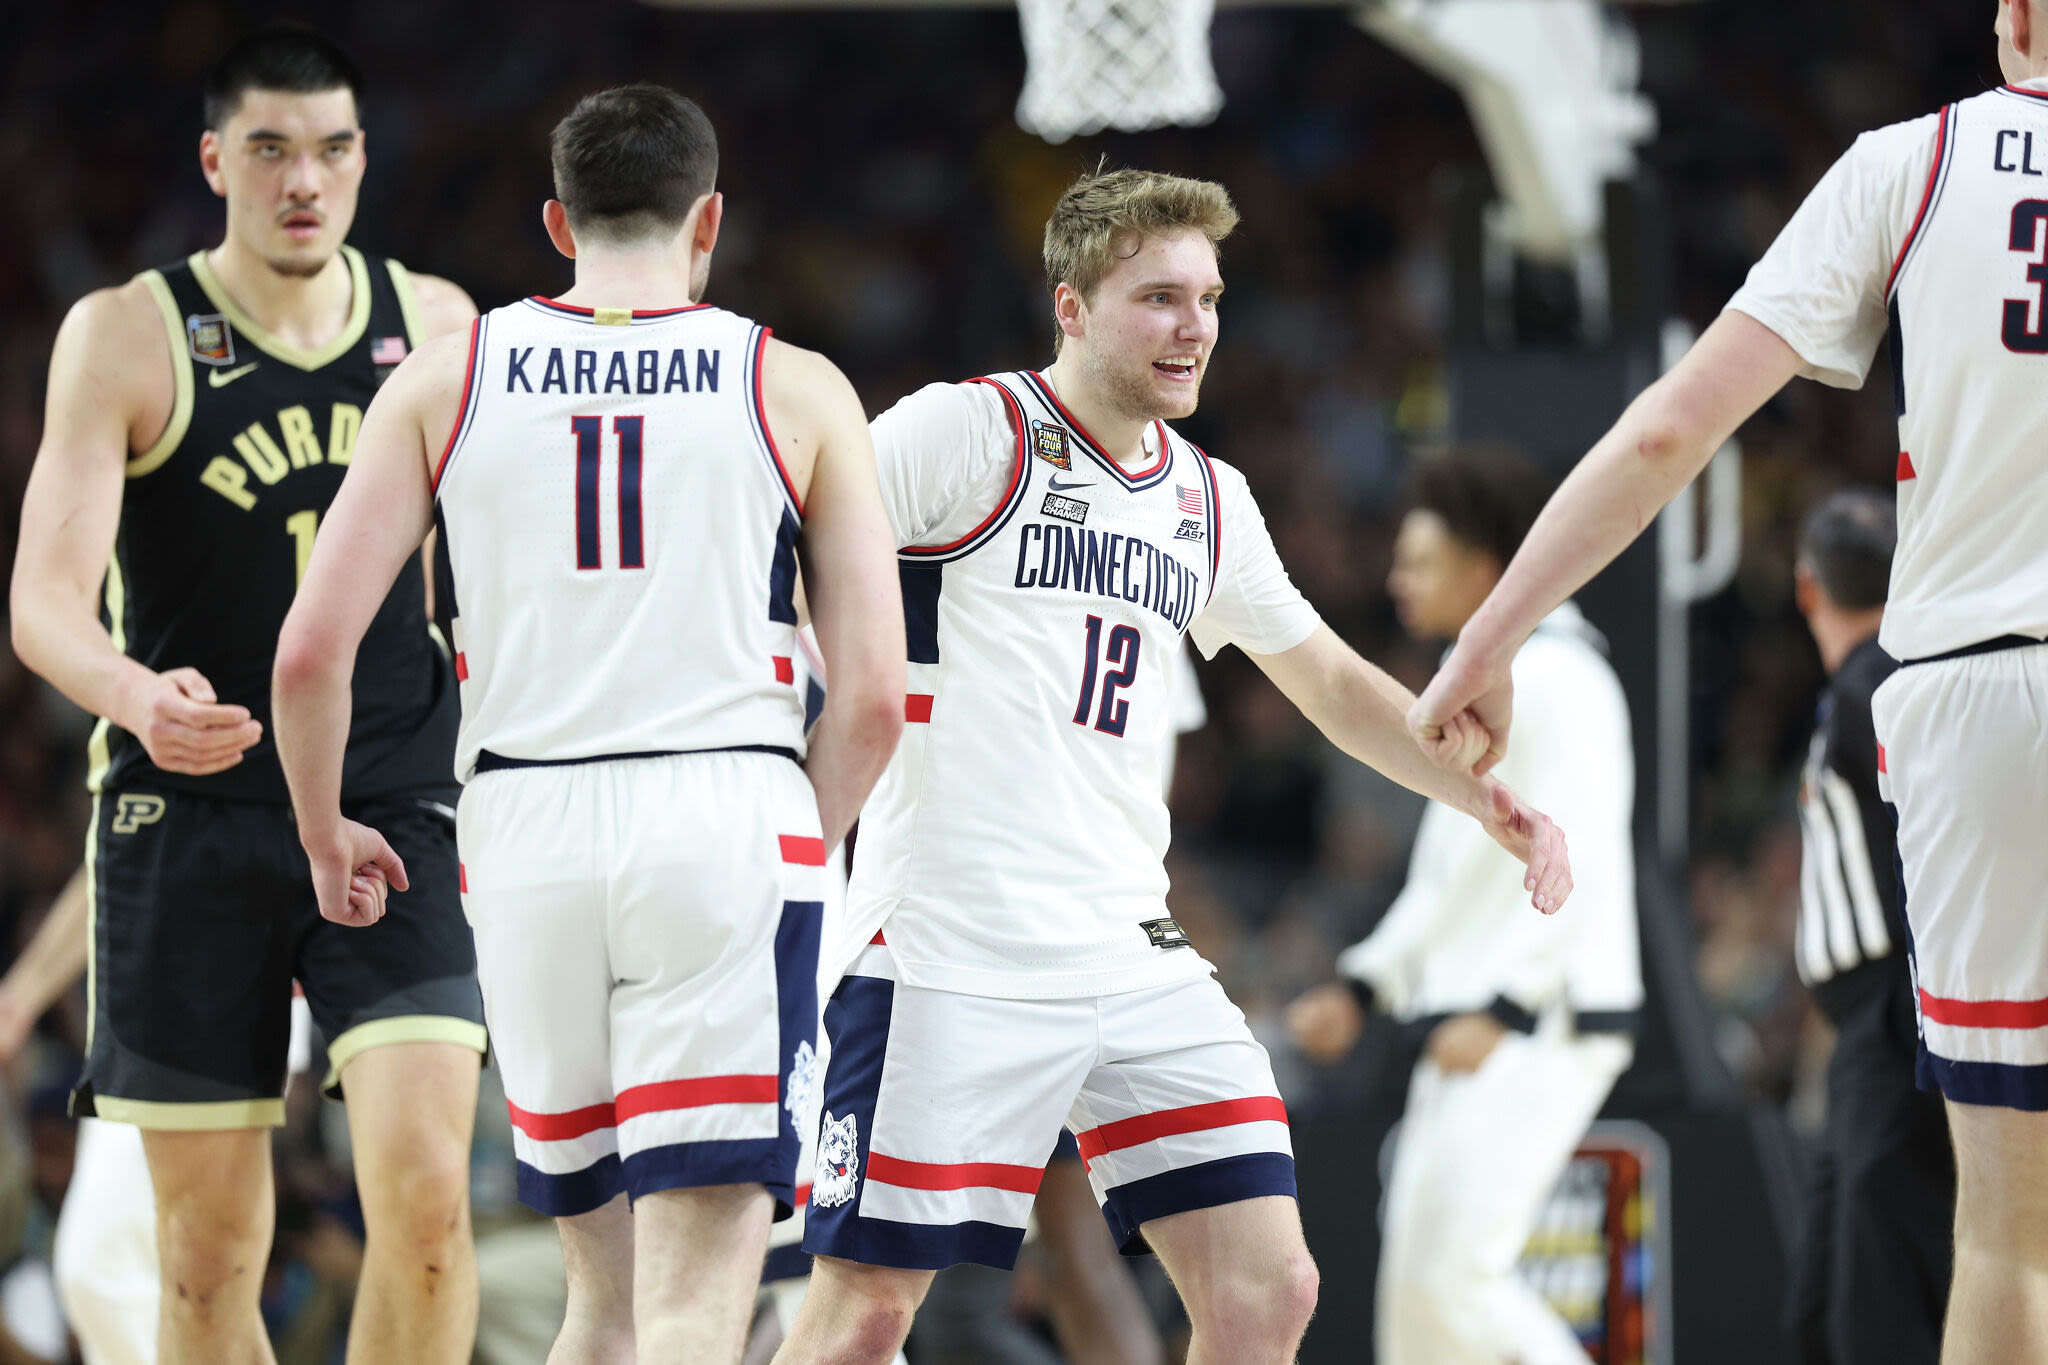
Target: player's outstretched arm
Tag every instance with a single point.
(1661, 443)
(377, 521)
(849, 564)
(1363, 711)
(53, 959)
(110, 345)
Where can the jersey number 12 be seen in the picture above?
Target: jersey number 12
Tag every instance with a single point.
(589, 442)
(1122, 657)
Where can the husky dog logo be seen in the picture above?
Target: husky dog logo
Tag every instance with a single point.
(838, 1162)
(1050, 442)
(803, 1074)
(136, 810)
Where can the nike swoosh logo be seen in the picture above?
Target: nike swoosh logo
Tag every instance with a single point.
(220, 379)
(1056, 486)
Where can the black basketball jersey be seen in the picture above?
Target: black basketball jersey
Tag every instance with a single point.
(217, 524)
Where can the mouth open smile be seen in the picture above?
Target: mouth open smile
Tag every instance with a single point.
(1180, 368)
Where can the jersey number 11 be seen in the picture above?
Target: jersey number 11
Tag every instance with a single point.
(589, 442)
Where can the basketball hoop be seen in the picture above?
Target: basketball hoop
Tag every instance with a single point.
(1123, 64)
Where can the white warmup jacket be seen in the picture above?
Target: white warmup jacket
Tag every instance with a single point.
(1462, 935)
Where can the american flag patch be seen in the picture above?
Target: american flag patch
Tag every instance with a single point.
(387, 350)
(1190, 499)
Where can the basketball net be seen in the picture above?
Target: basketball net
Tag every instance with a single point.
(1123, 64)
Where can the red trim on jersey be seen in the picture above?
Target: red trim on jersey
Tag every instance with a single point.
(461, 884)
(663, 1096)
(1134, 475)
(917, 708)
(582, 312)
(1880, 759)
(1016, 414)
(802, 849)
(1926, 199)
(1984, 1013)
(461, 667)
(1906, 467)
(785, 669)
(1194, 1118)
(1215, 513)
(878, 941)
(2030, 94)
(462, 408)
(761, 414)
(962, 1175)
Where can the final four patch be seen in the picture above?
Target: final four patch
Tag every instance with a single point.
(1050, 443)
(210, 338)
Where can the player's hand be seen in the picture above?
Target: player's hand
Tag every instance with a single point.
(1463, 1042)
(1461, 719)
(1532, 837)
(1325, 1021)
(354, 872)
(186, 729)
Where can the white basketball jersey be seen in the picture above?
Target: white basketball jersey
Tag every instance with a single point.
(1015, 843)
(622, 538)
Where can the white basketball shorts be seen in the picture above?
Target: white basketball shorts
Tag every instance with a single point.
(1963, 759)
(941, 1109)
(647, 941)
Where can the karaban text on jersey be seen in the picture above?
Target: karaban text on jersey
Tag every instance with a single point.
(647, 372)
(1106, 564)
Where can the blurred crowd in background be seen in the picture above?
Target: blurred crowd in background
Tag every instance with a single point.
(883, 207)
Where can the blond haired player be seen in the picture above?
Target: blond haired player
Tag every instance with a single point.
(623, 478)
(1016, 968)
(1936, 231)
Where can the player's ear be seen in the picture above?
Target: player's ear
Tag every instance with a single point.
(1067, 310)
(209, 162)
(2023, 16)
(710, 212)
(1805, 589)
(554, 216)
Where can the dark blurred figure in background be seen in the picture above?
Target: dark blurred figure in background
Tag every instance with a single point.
(1527, 1019)
(1872, 1279)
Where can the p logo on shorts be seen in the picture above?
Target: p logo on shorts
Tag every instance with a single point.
(135, 810)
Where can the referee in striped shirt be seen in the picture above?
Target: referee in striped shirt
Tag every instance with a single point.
(1872, 1280)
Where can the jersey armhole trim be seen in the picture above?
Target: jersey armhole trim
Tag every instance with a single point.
(1944, 147)
(471, 381)
(408, 302)
(1215, 491)
(759, 412)
(166, 445)
(1004, 505)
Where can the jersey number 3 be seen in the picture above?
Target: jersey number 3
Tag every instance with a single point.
(2027, 217)
(589, 451)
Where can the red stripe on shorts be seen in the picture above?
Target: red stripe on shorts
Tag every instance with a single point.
(560, 1127)
(785, 670)
(663, 1096)
(1984, 1013)
(965, 1175)
(800, 848)
(801, 1197)
(1880, 758)
(917, 708)
(1195, 1118)
(462, 668)
(1905, 470)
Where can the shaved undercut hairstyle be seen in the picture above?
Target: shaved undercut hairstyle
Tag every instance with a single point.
(288, 57)
(631, 162)
(1105, 214)
(1846, 543)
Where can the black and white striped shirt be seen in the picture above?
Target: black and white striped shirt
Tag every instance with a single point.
(1848, 894)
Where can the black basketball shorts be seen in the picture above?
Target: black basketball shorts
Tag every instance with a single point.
(203, 915)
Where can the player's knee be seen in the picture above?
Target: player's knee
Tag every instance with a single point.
(208, 1251)
(422, 1201)
(1264, 1303)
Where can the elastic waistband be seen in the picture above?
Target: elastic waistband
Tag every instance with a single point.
(488, 762)
(1997, 646)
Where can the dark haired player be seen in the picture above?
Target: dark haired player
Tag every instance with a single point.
(624, 479)
(199, 421)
